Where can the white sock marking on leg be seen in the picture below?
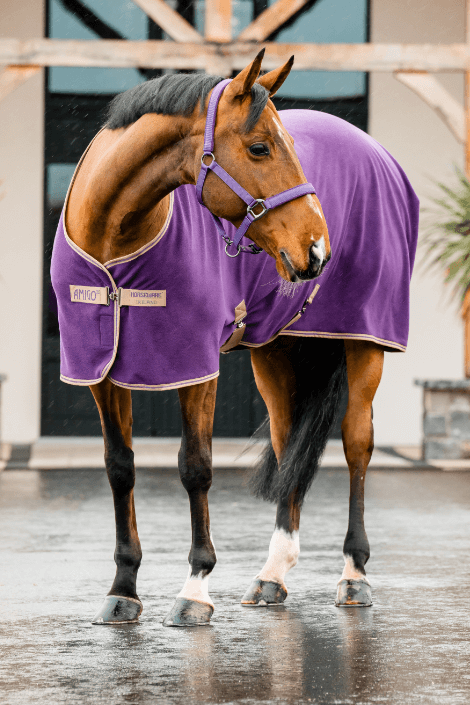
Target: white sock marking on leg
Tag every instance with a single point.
(284, 550)
(350, 572)
(196, 588)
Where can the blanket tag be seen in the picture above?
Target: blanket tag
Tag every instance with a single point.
(140, 297)
(89, 294)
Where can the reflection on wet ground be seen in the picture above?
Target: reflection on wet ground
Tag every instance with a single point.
(412, 646)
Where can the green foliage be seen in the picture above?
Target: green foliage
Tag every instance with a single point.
(446, 238)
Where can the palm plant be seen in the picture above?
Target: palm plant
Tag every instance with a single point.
(446, 238)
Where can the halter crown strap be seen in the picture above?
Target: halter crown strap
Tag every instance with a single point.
(212, 115)
(252, 203)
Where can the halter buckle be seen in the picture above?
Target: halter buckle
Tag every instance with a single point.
(207, 154)
(260, 202)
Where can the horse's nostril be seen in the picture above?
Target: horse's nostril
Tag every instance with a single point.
(288, 266)
(316, 258)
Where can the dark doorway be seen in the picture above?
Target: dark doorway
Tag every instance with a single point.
(76, 101)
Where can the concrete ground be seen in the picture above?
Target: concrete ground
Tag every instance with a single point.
(411, 646)
(65, 452)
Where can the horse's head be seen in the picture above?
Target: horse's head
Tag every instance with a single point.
(262, 159)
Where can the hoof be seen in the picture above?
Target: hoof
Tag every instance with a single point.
(188, 613)
(353, 593)
(118, 610)
(262, 593)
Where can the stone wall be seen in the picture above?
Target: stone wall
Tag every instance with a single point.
(446, 419)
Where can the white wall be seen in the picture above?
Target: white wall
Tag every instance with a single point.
(427, 150)
(21, 170)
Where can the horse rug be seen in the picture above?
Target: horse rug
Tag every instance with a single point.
(158, 318)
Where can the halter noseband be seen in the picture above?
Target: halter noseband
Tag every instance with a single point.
(265, 204)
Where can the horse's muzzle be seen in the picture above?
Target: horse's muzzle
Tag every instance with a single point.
(317, 262)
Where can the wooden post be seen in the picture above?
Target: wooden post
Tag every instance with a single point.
(218, 21)
(218, 28)
(466, 332)
(467, 94)
(466, 304)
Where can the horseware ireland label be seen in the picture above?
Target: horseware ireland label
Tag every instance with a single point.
(89, 294)
(136, 297)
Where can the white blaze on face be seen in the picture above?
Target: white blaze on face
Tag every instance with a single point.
(319, 248)
(196, 588)
(281, 132)
(284, 551)
(350, 572)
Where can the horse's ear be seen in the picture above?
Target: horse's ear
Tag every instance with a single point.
(273, 80)
(242, 84)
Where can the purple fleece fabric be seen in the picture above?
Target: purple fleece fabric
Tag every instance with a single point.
(372, 216)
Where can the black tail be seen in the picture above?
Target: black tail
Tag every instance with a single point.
(320, 367)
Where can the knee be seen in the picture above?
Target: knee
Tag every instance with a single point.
(120, 468)
(358, 434)
(195, 469)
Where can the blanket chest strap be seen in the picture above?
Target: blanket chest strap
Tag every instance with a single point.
(124, 297)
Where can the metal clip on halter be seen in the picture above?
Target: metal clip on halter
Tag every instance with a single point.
(228, 244)
(207, 154)
(259, 202)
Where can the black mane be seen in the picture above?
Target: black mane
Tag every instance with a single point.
(175, 94)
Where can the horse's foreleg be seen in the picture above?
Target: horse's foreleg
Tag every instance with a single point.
(276, 382)
(193, 605)
(122, 604)
(364, 364)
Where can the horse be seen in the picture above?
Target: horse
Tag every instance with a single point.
(136, 180)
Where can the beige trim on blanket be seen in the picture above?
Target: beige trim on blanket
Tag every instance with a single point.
(346, 336)
(174, 385)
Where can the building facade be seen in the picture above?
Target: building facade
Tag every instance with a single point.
(48, 121)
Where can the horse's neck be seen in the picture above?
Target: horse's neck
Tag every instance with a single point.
(119, 198)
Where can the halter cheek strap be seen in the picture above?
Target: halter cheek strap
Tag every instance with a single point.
(252, 203)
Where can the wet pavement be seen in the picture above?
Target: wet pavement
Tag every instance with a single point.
(411, 646)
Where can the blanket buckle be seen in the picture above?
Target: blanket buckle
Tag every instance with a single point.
(115, 296)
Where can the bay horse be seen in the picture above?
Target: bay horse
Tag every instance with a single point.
(134, 182)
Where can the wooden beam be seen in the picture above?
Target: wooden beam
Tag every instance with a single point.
(270, 20)
(13, 76)
(218, 20)
(170, 21)
(162, 54)
(438, 98)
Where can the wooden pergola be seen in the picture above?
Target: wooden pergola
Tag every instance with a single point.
(219, 53)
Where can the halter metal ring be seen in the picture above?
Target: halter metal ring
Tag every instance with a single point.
(228, 253)
(258, 201)
(207, 154)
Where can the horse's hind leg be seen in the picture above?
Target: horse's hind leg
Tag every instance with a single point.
(364, 365)
(275, 379)
(122, 604)
(193, 606)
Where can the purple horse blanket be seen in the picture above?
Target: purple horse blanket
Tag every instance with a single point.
(175, 302)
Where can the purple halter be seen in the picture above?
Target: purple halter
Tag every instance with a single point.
(266, 204)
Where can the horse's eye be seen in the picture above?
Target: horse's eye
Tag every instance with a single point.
(259, 149)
